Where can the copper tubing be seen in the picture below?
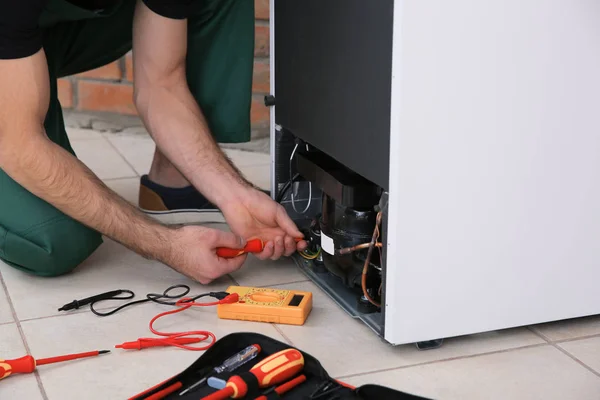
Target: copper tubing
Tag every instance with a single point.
(361, 246)
(371, 245)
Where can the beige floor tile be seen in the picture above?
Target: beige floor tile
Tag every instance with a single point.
(247, 158)
(102, 159)
(268, 273)
(138, 149)
(586, 351)
(111, 267)
(540, 373)
(5, 311)
(16, 386)
(82, 134)
(122, 373)
(259, 175)
(570, 329)
(329, 333)
(128, 188)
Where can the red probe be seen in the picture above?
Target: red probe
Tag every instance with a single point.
(252, 246)
(27, 364)
(144, 343)
(273, 370)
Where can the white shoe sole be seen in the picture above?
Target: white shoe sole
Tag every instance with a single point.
(187, 217)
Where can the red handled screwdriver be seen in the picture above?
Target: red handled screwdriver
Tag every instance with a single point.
(273, 370)
(27, 364)
(252, 246)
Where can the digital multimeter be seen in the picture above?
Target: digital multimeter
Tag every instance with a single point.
(280, 306)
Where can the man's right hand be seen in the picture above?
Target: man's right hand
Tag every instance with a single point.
(193, 253)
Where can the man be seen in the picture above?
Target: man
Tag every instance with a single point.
(193, 74)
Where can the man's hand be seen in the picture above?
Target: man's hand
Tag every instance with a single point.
(193, 253)
(181, 133)
(255, 215)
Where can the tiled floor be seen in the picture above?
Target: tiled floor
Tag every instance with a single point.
(550, 361)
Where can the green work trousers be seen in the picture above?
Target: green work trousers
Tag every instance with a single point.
(36, 237)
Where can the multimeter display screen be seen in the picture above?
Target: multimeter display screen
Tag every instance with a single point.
(296, 300)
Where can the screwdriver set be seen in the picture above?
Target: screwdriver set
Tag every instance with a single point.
(254, 366)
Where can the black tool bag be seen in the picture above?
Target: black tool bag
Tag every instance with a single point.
(318, 385)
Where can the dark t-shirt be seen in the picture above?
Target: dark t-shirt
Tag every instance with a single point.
(20, 35)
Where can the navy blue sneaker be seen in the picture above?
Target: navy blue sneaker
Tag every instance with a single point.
(176, 205)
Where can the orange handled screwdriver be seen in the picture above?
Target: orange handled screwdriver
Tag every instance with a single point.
(27, 364)
(252, 246)
(273, 370)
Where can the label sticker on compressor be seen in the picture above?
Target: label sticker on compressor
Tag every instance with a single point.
(327, 244)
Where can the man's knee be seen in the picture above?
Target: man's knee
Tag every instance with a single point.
(50, 249)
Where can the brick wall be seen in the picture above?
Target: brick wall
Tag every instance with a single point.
(109, 88)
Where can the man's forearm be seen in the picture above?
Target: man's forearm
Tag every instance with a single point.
(170, 112)
(54, 175)
(181, 133)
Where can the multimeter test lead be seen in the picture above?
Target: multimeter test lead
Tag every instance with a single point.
(229, 365)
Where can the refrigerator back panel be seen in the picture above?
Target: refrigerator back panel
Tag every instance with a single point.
(333, 77)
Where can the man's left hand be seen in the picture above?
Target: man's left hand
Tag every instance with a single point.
(255, 215)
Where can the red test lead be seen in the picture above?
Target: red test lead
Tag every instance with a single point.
(144, 343)
(182, 339)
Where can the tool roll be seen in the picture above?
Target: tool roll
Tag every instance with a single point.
(318, 385)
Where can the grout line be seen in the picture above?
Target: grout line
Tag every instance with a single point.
(576, 338)
(235, 282)
(122, 156)
(539, 334)
(75, 312)
(74, 93)
(22, 334)
(272, 285)
(577, 360)
(559, 341)
(531, 346)
(285, 337)
(122, 69)
(287, 283)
